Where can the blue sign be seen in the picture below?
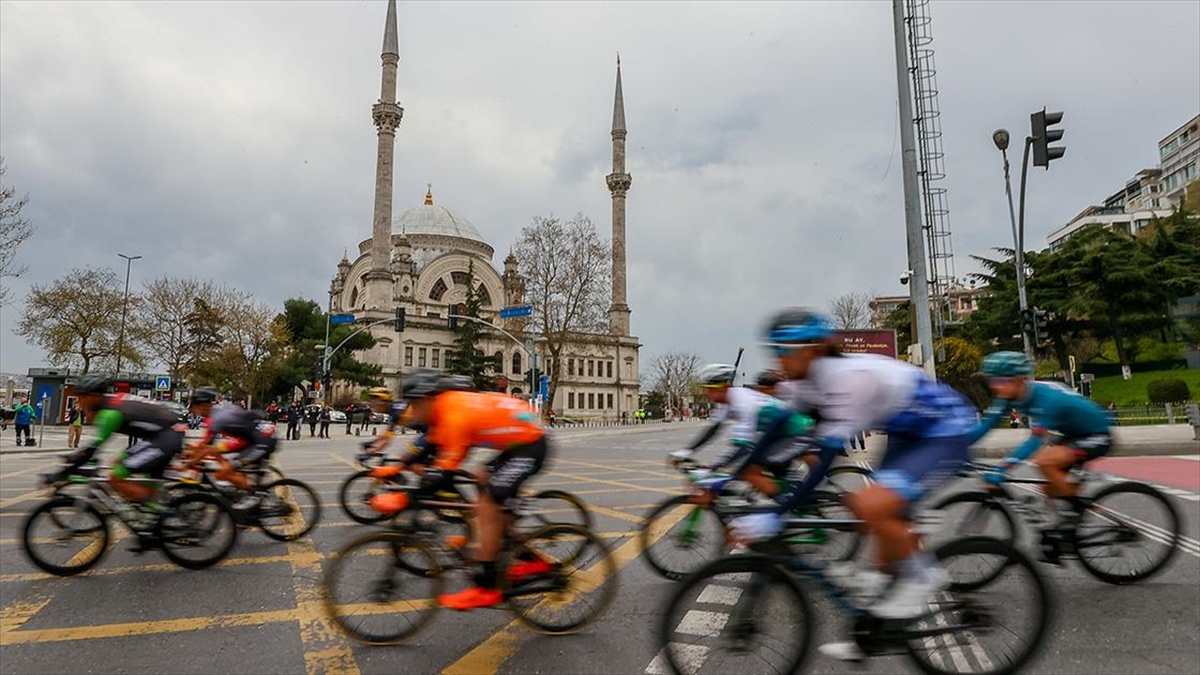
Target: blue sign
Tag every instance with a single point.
(514, 312)
(544, 388)
(339, 319)
(162, 383)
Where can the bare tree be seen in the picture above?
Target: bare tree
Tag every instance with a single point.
(164, 317)
(851, 310)
(674, 374)
(566, 267)
(14, 230)
(77, 319)
(251, 346)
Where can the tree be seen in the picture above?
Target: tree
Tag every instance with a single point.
(851, 310)
(14, 230)
(77, 319)
(566, 266)
(467, 358)
(249, 351)
(163, 314)
(204, 334)
(674, 374)
(303, 324)
(960, 369)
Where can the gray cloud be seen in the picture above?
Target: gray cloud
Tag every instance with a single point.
(234, 141)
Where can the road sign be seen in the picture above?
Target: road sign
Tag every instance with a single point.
(339, 319)
(314, 394)
(162, 383)
(516, 311)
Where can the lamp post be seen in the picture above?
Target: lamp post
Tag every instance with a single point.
(124, 308)
(1000, 137)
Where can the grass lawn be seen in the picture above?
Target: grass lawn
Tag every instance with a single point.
(1133, 392)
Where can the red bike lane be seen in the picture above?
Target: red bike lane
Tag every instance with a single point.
(1171, 471)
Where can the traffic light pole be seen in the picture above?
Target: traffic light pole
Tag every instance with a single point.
(1018, 229)
(510, 336)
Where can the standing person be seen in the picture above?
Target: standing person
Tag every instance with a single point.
(366, 419)
(74, 425)
(349, 417)
(23, 418)
(550, 417)
(325, 421)
(312, 415)
(294, 413)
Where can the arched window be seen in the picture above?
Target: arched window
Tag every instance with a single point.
(439, 289)
(353, 297)
(485, 298)
(498, 361)
(516, 363)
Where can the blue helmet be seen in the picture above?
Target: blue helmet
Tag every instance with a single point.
(1006, 364)
(797, 326)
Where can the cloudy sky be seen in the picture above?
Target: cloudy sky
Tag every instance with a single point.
(234, 140)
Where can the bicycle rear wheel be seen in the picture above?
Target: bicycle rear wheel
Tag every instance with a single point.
(737, 615)
(994, 627)
(1128, 533)
(65, 536)
(558, 579)
(826, 544)
(289, 510)
(199, 532)
(355, 495)
(373, 595)
(679, 537)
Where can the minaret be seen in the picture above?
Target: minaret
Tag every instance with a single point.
(618, 185)
(386, 114)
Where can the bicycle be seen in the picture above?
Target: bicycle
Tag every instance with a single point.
(751, 613)
(394, 576)
(187, 523)
(695, 539)
(1103, 532)
(287, 508)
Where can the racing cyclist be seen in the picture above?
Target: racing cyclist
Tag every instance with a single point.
(927, 424)
(246, 447)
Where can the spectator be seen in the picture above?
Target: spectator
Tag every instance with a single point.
(550, 417)
(295, 413)
(1014, 420)
(74, 425)
(366, 419)
(349, 417)
(312, 415)
(23, 418)
(325, 421)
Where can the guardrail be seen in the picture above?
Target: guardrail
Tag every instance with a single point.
(1126, 416)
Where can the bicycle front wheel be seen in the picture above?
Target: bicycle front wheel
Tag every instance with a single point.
(372, 592)
(558, 579)
(1128, 533)
(289, 510)
(65, 536)
(737, 615)
(551, 507)
(679, 537)
(355, 495)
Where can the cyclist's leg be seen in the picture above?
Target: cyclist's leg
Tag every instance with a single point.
(149, 458)
(1054, 462)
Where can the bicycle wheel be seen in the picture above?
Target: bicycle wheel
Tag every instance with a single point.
(847, 478)
(993, 628)
(968, 514)
(355, 496)
(199, 532)
(289, 510)
(740, 614)
(75, 491)
(826, 543)
(550, 507)
(65, 536)
(558, 579)
(1128, 534)
(373, 596)
(679, 537)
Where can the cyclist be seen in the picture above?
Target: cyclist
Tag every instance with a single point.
(382, 401)
(456, 421)
(420, 454)
(156, 430)
(247, 447)
(752, 412)
(768, 381)
(928, 426)
(1068, 429)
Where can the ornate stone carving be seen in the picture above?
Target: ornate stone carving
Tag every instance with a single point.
(619, 183)
(387, 117)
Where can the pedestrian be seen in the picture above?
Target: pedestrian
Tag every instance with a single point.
(22, 419)
(294, 413)
(349, 417)
(550, 418)
(325, 421)
(74, 425)
(312, 416)
(366, 419)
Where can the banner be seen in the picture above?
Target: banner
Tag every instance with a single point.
(881, 342)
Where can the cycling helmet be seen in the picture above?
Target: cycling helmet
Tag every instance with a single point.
(92, 384)
(456, 383)
(769, 378)
(797, 326)
(203, 395)
(715, 374)
(1006, 364)
(380, 394)
(420, 383)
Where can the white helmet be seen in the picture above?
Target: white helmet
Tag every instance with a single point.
(715, 374)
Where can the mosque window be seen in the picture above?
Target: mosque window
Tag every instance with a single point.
(610, 401)
(608, 368)
(408, 356)
(591, 368)
(421, 353)
(571, 400)
(516, 363)
(439, 289)
(354, 297)
(571, 367)
(459, 278)
(485, 298)
(498, 359)
(437, 358)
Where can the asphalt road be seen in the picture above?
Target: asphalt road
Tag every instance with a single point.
(259, 611)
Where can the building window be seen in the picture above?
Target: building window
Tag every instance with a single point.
(485, 298)
(516, 363)
(610, 405)
(408, 356)
(421, 357)
(498, 361)
(438, 290)
(591, 368)
(437, 358)
(571, 367)
(571, 400)
(608, 369)
(591, 401)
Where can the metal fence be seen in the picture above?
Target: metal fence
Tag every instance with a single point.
(1128, 416)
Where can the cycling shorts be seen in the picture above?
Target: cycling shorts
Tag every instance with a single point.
(1090, 447)
(150, 457)
(255, 454)
(508, 471)
(913, 468)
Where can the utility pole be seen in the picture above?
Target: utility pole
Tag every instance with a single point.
(919, 281)
(124, 309)
(1001, 138)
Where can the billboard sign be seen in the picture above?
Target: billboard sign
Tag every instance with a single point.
(881, 342)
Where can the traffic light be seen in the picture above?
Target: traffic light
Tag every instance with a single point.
(1039, 325)
(1042, 137)
(327, 379)
(1028, 324)
(399, 319)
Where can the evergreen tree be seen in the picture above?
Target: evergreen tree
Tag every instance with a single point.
(467, 358)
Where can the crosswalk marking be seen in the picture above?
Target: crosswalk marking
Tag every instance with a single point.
(701, 623)
(719, 595)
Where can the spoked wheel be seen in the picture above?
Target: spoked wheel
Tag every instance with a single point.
(993, 628)
(737, 615)
(76, 491)
(826, 543)
(289, 510)
(373, 595)
(355, 495)
(199, 532)
(559, 579)
(65, 536)
(973, 514)
(551, 507)
(679, 537)
(1128, 534)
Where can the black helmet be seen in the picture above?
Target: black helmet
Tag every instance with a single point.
(769, 378)
(92, 384)
(456, 383)
(203, 395)
(420, 383)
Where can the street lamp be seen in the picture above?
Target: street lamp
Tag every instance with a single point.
(124, 309)
(1000, 137)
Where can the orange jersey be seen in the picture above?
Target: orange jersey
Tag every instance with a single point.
(461, 420)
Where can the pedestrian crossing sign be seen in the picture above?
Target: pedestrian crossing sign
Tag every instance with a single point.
(162, 383)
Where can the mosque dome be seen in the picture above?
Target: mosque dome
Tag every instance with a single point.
(434, 219)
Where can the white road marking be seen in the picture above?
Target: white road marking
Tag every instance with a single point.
(702, 623)
(689, 658)
(719, 595)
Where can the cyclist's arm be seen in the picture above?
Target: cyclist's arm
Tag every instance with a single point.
(735, 451)
(786, 423)
(1031, 445)
(988, 421)
(107, 422)
(706, 436)
(828, 449)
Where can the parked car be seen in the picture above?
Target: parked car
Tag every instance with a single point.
(337, 416)
(379, 418)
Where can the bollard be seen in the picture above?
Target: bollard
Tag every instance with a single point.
(1170, 414)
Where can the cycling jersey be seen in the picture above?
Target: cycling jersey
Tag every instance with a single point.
(752, 413)
(460, 420)
(123, 414)
(237, 423)
(397, 415)
(1053, 407)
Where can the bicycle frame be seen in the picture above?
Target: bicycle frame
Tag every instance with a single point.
(110, 502)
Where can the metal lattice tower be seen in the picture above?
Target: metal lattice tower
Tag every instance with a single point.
(932, 172)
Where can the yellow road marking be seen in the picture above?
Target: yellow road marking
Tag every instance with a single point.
(40, 492)
(620, 484)
(113, 630)
(39, 467)
(614, 513)
(590, 465)
(15, 615)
